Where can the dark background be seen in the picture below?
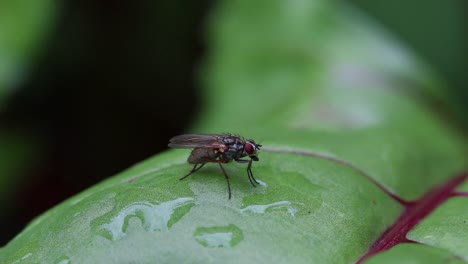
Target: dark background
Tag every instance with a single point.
(114, 83)
(117, 79)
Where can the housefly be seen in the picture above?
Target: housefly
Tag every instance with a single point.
(218, 148)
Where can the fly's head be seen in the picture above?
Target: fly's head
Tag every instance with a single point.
(251, 149)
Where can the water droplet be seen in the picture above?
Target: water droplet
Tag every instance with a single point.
(262, 183)
(22, 258)
(261, 209)
(219, 236)
(63, 260)
(153, 217)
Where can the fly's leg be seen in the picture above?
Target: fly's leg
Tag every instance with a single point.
(250, 174)
(227, 179)
(252, 180)
(194, 169)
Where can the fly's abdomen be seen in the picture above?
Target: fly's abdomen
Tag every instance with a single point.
(203, 155)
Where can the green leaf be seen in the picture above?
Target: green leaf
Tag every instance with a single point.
(148, 210)
(413, 253)
(446, 228)
(332, 100)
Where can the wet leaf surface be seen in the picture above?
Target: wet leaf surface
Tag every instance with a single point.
(347, 152)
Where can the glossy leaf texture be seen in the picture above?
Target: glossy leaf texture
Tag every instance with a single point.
(340, 109)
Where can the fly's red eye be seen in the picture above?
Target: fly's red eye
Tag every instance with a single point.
(249, 148)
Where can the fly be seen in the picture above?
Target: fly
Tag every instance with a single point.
(218, 148)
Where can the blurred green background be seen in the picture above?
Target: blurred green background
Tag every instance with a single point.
(92, 87)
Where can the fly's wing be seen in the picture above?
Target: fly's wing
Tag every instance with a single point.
(197, 141)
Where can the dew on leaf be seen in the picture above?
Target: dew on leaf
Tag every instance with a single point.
(219, 236)
(262, 208)
(262, 183)
(23, 258)
(63, 260)
(153, 217)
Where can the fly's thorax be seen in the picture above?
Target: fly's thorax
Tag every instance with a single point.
(235, 148)
(232, 154)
